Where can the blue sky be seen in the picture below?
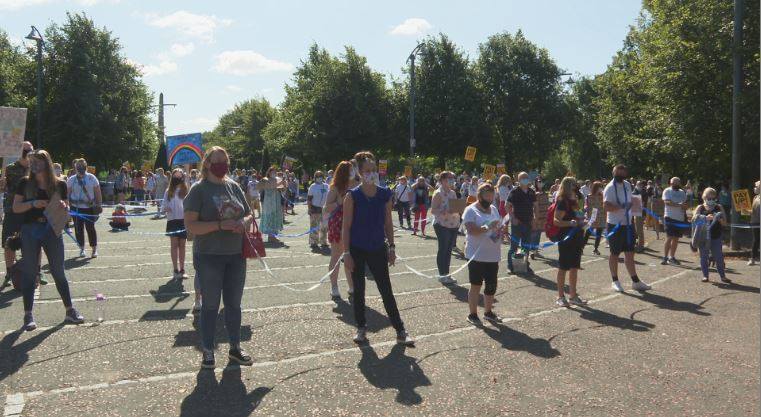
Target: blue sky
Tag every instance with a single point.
(208, 55)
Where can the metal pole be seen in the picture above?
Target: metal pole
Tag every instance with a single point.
(737, 77)
(39, 93)
(412, 107)
(161, 118)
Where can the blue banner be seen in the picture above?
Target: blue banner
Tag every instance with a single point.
(184, 149)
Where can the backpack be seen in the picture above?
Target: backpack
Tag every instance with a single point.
(550, 229)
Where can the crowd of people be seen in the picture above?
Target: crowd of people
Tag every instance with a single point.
(351, 211)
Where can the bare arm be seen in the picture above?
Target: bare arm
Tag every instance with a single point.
(332, 200)
(198, 227)
(19, 206)
(347, 221)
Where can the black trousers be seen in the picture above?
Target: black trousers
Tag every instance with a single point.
(377, 261)
(88, 223)
(754, 252)
(403, 209)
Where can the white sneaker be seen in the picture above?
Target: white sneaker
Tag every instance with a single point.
(94, 252)
(751, 262)
(82, 253)
(447, 280)
(334, 293)
(640, 286)
(617, 287)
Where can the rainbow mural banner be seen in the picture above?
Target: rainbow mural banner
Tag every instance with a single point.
(184, 149)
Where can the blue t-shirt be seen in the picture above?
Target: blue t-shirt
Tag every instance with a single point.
(367, 227)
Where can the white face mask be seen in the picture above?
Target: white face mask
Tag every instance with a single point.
(367, 177)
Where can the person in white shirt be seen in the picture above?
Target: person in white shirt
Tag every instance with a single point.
(317, 195)
(484, 230)
(402, 199)
(162, 183)
(469, 188)
(674, 219)
(586, 189)
(150, 188)
(85, 199)
(253, 196)
(175, 221)
(617, 202)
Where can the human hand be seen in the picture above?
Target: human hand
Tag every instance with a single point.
(40, 203)
(391, 256)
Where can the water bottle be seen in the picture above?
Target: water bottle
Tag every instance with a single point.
(100, 301)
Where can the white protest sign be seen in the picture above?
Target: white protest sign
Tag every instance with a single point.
(12, 128)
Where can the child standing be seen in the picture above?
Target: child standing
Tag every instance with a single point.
(175, 223)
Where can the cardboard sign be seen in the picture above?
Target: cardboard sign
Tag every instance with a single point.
(57, 215)
(501, 169)
(457, 204)
(12, 128)
(636, 209)
(382, 166)
(91, 170)
(741, 200)
(184, 149)
(470, 153)
(489, 171)
(288, 162)
(408, 171)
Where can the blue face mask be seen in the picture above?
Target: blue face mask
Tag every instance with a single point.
(524, 181)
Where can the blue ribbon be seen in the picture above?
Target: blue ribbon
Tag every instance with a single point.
(543, 245)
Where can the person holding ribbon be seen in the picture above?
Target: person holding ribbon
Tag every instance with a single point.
(341, 182)
(570, 219)
(446, 222)
(595, 202)
(484, 229)
(674, 219)
(316, 197)
(422, 199)
(86, 201)
(714, 218)
(217, 214)
(522, 208)
(32, 196)
(272, 207)
(617, 203)
(368, 236)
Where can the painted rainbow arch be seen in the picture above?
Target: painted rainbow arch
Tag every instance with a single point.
(186, 146)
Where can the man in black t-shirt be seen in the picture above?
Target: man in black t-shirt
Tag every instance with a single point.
(12, 175)
(522, 206)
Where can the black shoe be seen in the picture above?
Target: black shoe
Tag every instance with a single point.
(403, 338)
(490, 316)
(240, 356)
(207, 361)
(474, 320)
(596, 252)
(665, 261)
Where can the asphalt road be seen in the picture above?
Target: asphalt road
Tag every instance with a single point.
(685, 348)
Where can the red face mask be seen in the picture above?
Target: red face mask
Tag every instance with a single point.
(219, 169)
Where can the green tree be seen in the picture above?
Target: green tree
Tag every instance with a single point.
(524, 108)
(581, 153)
(334, 106)
(240, 131)
(96, 103)
(17, 71)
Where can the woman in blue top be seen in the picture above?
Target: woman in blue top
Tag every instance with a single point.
(366, 228)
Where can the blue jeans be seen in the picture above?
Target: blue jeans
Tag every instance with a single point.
(718, 256)
(36, 236)
(446, 238)
(521, 233)
(535, 236)
(222, 275)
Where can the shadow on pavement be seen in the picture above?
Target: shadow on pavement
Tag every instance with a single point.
(612, 320)
(512, 339)
(228, 397)
(15, 356)
(667, 303)
(170, 290)
(375, 320)
(7, 296)
(193, 337)
(723, 286)
(395, 371)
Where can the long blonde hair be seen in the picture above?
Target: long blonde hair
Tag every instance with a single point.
(502, 180)
(31, 185)
(566, 188)
(207, 158)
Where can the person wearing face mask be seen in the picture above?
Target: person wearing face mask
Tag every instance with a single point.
(712, 214)
(542, 205)
(252, 195)
(617, 204)
(484, 229)
(403, 198)
(272, 207)
(522, 207)
(422, 200)
(446, 222)
(570, 219)
(504, 186)
(175, 221)
(162, 184)
(217, 214)
(755, 217)
(342, 182)
(317, 195)
(32, 196)
(368, 237)
(86, 201)
(674, 220)
(12, 175)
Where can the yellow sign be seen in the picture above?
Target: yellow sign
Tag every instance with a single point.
(147, 167)
(91, 170)
(741, 199)
(470, 153)
(382, 166)
(408, 171)
(501, 169)
(489, 171)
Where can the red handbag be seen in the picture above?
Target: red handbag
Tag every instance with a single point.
(253, 243)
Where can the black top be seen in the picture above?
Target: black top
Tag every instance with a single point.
(716, 228)
(34, 214)
(523, 204)
(568, 207)
(421, 194)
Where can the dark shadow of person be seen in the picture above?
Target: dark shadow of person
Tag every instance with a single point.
(375, 320)
(667, 303)
(608, 319)
(395, 371)
(512, 339)
(226, 398)
(170, 290)
(7, 296)
(726, 286)
(13, 357)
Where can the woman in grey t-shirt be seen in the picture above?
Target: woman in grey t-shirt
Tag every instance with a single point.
(217, 213)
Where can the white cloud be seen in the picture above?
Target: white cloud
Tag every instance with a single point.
(196, 26)
(233, 88)
(10, 5)
(413, 26)
(247, 63)
(182, 49)
(162, 68)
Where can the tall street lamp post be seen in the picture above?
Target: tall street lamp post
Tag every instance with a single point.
(36, 36)
(418, 50)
